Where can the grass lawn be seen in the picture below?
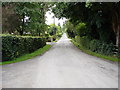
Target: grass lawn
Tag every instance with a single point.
(28, 56)
(95, 54)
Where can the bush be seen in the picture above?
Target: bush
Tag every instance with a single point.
(81, 29)
(95, 45)
(101, 47)
(85, 41)
(77, 39)
(15, 46)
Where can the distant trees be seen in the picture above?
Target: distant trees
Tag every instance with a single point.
(54, 32)
(70, 29)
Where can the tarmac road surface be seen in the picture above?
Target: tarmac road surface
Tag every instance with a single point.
(63, 66)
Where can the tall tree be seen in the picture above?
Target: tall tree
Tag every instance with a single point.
(96, 15)
(10, 21)
(116, 22)
(30, 16)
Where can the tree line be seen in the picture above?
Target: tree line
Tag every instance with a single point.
(24, 29)
(24, 17)
(93, 20)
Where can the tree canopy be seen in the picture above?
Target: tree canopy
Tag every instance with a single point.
(30, 17)
(101, 18)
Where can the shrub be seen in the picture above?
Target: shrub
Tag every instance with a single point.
(85, 41)
(15, 46)
(101, 47)
(95, 45)
(81, 29)
(77, 39)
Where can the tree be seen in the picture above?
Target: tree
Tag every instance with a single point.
(10, 21)
(30, 17)
(116, 22)
(52, 29)
(97, 17)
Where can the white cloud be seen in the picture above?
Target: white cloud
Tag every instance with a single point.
(50, 20)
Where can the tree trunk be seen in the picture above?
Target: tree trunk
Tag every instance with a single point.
(118, 37)
(39, 34)
(21, 32)
(116, 26)
(23, 24)
(118, 40)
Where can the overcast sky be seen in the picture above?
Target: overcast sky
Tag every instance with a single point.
(50, 20)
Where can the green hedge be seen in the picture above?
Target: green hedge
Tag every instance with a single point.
(95, 45)
(102, 47)
(15, 46)
(54, 37)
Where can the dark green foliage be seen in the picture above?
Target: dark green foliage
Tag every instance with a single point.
(14, 46)
(96, 45)
(10, 21)
(113, 58)
(53, 33)
(84, 41)
(102, 19)
(70, 29)
(101, 47)
(81, 29)
(70, 33)
(23, 18)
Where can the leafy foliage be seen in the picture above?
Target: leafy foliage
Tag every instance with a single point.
(101, 19)
(97, 16)
(54, 32)
(30, 17)
(70, 29)
(15, 46)
(81, 29)
(96, 45)
(10, 20)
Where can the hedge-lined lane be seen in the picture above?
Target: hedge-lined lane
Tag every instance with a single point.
(63, 66)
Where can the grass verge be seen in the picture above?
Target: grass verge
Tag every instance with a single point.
(95, 54)
(28, 56)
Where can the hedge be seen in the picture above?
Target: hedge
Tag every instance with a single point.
(96, 45)
(15, 46)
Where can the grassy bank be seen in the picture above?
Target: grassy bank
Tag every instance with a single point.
(28, 56)
(95, 54)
